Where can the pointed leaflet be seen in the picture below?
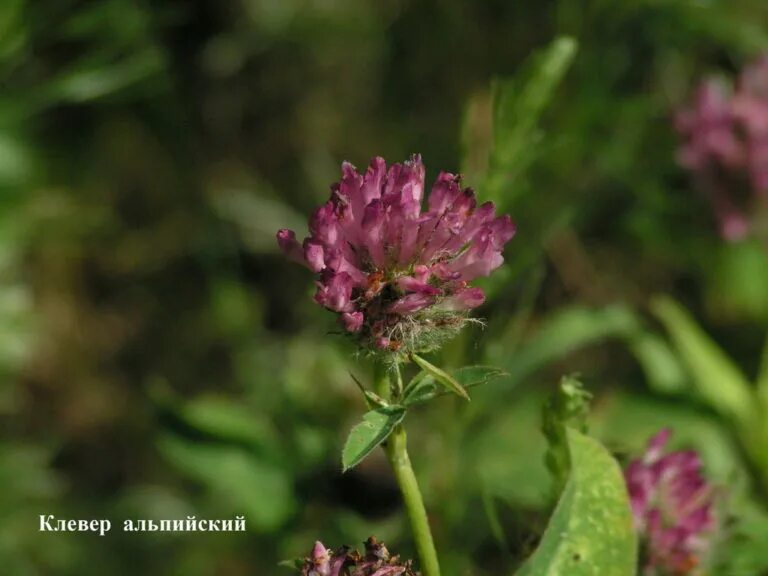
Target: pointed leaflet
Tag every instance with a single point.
(372, 399)
(590, 531)
(441, 376)
(376, 427)
(423, 386)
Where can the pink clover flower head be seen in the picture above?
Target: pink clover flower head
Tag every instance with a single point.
(707, 128)
(673, 509)
(375, 561)
(724, 144)
(750, 109)
(399, 275)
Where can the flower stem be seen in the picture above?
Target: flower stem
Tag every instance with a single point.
(397, 452)
(414, 504)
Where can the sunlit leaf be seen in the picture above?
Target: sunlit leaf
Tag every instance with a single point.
(591, 529)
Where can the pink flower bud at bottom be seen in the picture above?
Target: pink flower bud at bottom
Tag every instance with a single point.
(375, 561)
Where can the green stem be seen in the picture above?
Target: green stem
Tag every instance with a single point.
(397, 452)
(381, 381)
(414, 504)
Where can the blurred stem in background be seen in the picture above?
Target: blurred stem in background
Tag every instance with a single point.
(397, 453)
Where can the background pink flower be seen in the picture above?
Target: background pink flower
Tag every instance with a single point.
(673, 508)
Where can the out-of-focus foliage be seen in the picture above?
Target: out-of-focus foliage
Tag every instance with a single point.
(159, 359)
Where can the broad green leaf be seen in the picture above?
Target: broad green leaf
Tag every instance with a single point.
(424, 387)
(441, 376)
(718, 381)
(376, 427)
(590, 532)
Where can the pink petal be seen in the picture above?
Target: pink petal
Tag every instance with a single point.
(352, 321)
(334, 291)
(373, 227)
(411, 303)
(286, 240)
(465, 299)
(410, 284)
(314, 255)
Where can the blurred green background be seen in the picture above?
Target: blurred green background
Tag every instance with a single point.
(160, 359)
